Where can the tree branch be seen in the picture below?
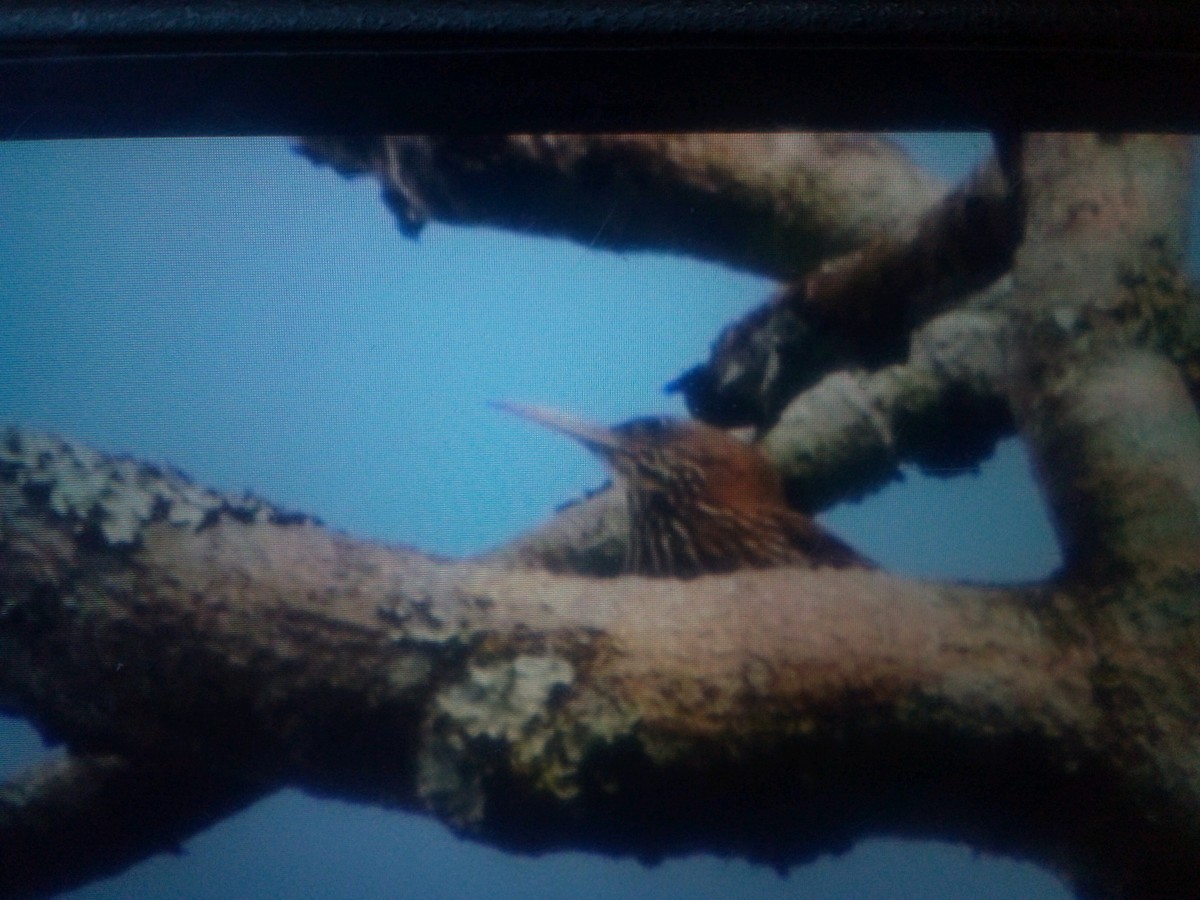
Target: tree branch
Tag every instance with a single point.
(78, 818)
(944, 409)
(866, 308)
(774, 714)
(534, 711)
(777, 204)
(876, 296)
(1107, 414)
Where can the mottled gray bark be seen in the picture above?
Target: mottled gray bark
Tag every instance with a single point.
(164, 630)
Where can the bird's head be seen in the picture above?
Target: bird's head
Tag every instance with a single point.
(666, 455)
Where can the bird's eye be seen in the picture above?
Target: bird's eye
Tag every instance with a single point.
(647, 429)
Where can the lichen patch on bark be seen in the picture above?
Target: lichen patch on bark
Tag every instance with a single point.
(116, 497)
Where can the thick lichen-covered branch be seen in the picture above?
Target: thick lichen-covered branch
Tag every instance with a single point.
(1097, 385)
(774, 714)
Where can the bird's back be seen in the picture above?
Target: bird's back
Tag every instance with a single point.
(706, 503)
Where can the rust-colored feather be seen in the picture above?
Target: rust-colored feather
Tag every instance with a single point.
(699, 501)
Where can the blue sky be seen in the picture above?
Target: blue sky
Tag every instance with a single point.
(225, 306)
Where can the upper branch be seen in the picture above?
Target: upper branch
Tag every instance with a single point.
(864, 309)
(777, 204)
(883, 248)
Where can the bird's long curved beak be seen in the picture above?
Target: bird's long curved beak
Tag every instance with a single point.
(598, 438)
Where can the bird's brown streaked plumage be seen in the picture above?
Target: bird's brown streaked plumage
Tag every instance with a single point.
(699, 500)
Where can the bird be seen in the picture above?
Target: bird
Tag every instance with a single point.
(699, 501)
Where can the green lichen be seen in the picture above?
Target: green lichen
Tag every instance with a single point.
(410, 670)
(504, 703)
(116, 496)
(505, 700)
(534, 716)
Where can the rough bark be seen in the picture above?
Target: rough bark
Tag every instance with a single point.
(777, 204)
(163, 631)
(867, 308)
(535, 710)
